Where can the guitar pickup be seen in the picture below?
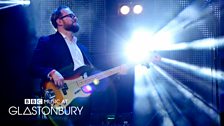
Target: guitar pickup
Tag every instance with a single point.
(64, 89)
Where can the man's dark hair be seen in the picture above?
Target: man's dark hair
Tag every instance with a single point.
(56, 14)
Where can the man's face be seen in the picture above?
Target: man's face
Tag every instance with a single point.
(69, 20)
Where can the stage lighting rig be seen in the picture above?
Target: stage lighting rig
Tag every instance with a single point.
(11, 3)
(130, 8)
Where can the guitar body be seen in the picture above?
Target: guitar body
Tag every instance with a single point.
(72, 88)
(65, 95)
(73, 85)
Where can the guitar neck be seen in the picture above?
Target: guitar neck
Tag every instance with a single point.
(111, 72)
(102, 75)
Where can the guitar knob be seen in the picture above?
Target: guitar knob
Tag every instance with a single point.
(49, 94)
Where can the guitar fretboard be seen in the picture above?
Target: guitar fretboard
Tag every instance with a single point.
(102, 75)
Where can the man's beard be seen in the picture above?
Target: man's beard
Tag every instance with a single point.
(72, 28)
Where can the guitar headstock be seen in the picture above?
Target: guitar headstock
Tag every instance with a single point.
(154, 57)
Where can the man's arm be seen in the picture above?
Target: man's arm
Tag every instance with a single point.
(39, 67)
(38, 63)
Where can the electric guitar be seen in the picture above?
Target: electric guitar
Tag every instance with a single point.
(72, 87)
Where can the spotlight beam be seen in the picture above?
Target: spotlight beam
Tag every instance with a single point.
(143, 107)
(15, 2)
(202, 71)
(9, 6)
(206, 43)
(197, 82)
(168, 102)
(185, 76)
(162, 87)
(189, 95)
(183, 20)
(12, 3)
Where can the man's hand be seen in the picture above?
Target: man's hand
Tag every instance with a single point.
(57, 78)
(123, 69)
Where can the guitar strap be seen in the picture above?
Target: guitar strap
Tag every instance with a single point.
(87, 60)
(85, 56)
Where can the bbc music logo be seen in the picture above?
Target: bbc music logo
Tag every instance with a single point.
(35, 107)
(33, 101)
(40, 101)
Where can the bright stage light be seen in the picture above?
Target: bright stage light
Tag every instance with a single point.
(136, 53)
(12, 3)
(87, 89)
(137, 9)
(21, 2)
(124, 9)
(138, 49)
(143, 42)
